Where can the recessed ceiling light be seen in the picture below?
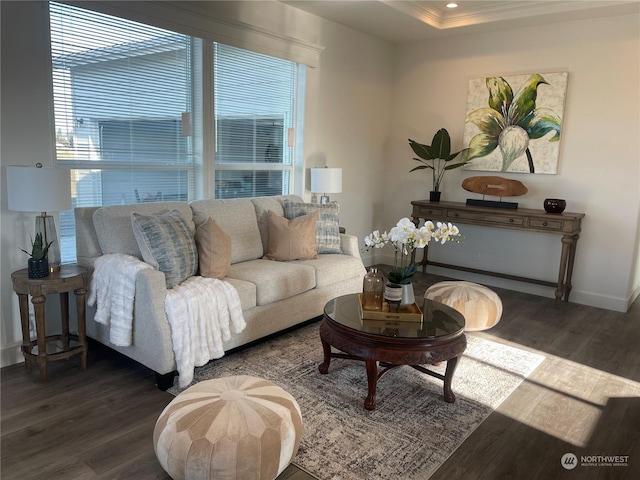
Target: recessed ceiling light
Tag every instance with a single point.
(452, 5)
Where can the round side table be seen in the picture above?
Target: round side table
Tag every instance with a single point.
(68, 278)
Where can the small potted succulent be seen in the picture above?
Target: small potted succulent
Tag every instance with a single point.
(437, 157)
(38, 264)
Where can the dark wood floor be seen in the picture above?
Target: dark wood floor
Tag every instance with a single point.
(583, 399)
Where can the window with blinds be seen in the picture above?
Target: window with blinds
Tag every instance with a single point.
(125, 94)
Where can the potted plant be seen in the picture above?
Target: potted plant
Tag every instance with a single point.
(405, 237)
(38, 264)
(436, 157)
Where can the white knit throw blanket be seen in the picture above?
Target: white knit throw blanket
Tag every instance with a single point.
(112, 290)
(202, 312)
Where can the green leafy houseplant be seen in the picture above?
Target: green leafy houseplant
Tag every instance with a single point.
(436, 157)
(38, 249)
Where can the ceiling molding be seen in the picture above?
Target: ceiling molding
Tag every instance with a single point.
(484, 12)
(405, 21)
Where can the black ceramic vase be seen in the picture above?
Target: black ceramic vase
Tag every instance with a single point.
(38, 268)
(555, 205)
(434, 196)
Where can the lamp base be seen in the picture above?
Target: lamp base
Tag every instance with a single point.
(47, 228)
(324, 199)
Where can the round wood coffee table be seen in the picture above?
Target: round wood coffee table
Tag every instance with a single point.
(393, 343)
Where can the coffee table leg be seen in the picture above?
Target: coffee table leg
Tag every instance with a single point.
(372, 383)
(449, 396)
(324, 366)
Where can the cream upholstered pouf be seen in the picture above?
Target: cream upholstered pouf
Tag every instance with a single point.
(238, 427)
(481, 306)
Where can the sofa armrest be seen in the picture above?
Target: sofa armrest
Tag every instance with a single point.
(152, 333)
(349, 245)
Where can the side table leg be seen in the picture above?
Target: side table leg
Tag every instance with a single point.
(372, 383)
(23, 302)
(38, 307)
(449, 396)
(81, 311)
(64, 319)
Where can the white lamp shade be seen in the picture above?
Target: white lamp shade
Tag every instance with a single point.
(31, 189)
(326, 180)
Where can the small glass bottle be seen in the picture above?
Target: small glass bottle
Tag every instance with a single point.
(372, 290)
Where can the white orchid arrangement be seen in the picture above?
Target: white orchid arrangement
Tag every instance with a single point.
(405, 238)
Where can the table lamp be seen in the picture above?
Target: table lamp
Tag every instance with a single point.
(326, 180)
(41, 189)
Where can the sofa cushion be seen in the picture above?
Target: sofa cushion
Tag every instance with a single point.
(166, 243)
(274, 280)
(214, 249)
(237, 217)
(292, 239)
(113, 224)
(262, 206)
(334, 268)
(327, 226)
(246, 292)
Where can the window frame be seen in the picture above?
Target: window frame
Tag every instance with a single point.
(202, 170)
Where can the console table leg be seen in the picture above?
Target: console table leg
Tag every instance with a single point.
(372, 383)
(449, 396)
(562, 273)
(572, 256)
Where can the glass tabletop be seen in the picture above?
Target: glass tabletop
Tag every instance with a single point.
(439, 321)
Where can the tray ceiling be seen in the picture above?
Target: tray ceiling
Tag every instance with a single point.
(404, 21)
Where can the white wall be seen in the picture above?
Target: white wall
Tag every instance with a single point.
(27, 137)
(599, 165)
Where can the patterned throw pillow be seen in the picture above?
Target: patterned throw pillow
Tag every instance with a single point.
(327, 226)
(292, 239)
(166, 243)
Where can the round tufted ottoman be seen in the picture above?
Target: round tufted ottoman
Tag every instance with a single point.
(232, 427)
(481, 306)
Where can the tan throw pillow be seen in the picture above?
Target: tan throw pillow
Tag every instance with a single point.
(292, 239)
(214, 250)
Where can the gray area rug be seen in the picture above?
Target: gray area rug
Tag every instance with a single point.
(411, 432)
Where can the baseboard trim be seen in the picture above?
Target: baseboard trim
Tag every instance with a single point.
(577, 296)
(10, 354)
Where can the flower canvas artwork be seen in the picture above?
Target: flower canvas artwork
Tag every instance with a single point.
(514, 123)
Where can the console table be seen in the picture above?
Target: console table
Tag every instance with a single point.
(523, 219)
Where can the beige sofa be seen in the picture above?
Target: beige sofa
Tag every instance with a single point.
(274, 295)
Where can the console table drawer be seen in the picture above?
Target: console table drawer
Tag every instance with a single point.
(546, 224)
(488, 219)
(426, 212)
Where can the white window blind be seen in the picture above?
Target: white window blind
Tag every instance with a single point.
(121, 91)
(131, 115)
(254, 122)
